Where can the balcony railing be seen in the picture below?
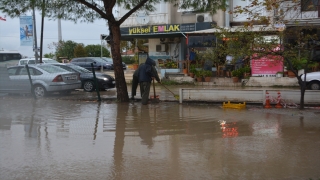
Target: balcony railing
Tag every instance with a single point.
(161, 18)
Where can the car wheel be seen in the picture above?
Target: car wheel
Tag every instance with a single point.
(39, 91)
(315, 86)
(88, 86)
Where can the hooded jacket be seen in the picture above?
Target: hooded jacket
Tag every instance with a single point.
(146, 72)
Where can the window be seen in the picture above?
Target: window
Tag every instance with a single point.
(52, 69)
(23, 71)
(32, 62)
(12, 71)
(309, 5)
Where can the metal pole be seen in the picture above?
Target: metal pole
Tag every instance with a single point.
(35, 46)
(30, 80)
(101, 49)
(42, 24)
(95, 82)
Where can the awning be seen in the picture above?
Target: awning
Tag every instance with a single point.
(236, 29)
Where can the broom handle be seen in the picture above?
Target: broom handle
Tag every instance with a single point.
(167, 89)
(154, 89)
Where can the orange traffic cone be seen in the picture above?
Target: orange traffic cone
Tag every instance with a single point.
(279, 99)
(267, 101)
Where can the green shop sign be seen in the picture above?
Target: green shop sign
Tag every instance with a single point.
(155, 29)
(166, 28)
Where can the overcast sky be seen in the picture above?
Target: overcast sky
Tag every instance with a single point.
(86, 33)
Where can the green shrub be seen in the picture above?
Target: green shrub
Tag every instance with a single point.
(207, 73)
(128, 59)
(237, 73)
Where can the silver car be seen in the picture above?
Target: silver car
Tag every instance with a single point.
(45, 79)
(312, 80)
(33, 61)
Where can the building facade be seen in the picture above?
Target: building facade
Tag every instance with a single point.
(171, 32)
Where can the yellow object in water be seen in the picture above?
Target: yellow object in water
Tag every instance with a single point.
(234, 106)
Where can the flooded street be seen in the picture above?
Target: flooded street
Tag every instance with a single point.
(66, 139)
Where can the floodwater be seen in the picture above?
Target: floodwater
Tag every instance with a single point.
(65, 139)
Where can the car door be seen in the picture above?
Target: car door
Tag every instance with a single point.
(88, 64)
(19, 79)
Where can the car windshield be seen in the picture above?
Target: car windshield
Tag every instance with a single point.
(98, 60)
(107, 59)
(52, 69)
(50, 61)
(79, 69)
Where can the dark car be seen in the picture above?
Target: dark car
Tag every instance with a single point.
(86, 62)
(104, 81)
(110, 62)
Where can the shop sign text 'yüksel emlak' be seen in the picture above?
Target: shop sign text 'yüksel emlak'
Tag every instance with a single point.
(155, 29)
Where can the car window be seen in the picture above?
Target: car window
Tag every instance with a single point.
(12, 71)
(33, 71)
(80, 60)
(52, 69)
(98, 60)
(23, 62)
(50, 61)
(80, 69)
(89, 61)
(32, 62)
(66, 68)
(107, 59)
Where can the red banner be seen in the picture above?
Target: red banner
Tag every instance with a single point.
(267, 66)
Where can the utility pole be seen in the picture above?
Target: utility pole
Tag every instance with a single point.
(35, 46)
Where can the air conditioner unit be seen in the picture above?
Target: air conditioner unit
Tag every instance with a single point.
(203, 17)
(162, 40)
(160, 48)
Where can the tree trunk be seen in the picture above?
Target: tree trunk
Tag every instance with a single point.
(121, 85)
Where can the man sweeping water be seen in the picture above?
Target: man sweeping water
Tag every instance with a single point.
(145, 74)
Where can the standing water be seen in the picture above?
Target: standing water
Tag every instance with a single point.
(60, 139)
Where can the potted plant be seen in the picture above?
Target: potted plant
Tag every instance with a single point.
(135, 65)
(207, 75)
(171, 65)
(236, 75)
(199, 75)
(192, 70)
(246, 71)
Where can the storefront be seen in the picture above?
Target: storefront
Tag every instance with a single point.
(168, 41)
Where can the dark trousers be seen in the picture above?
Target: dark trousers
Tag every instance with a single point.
(135, 82)
(145, 91)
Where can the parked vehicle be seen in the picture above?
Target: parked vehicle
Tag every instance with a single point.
(9, 58)
(86, 62)
(312, 80)
(104, 81)
(110, 62)
(45, 79)
(33, 61)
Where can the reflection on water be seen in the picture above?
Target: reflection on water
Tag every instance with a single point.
(52, 139)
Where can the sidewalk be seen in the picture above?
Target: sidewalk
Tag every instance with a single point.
(223, 81)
